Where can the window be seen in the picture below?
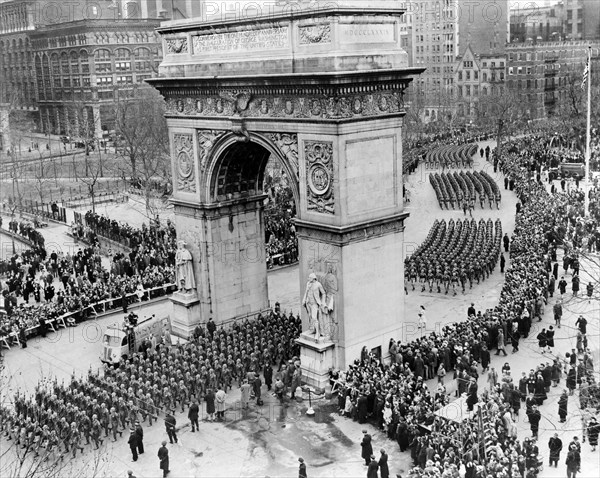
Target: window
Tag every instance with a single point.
(519, 70)
(460, 76)
(484, 76)
(467, 90)
(104, 80)
(510, 70)
(125, 80)
(467, 75)
(475, 75)
(123, 66)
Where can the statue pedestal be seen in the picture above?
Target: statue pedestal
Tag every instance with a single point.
(316, 359)
(186, 313)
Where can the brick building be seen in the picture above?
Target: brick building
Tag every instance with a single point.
(545, 73)
(81, 66)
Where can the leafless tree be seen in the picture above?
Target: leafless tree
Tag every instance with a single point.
(89, 173)
(42, 176)
(503, 109)
(142, 139)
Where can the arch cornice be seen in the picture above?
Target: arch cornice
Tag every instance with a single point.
(283, 146)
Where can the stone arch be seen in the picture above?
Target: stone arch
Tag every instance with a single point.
(225, 155)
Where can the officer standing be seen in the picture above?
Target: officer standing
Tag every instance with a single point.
(170, 424)
(133, 444)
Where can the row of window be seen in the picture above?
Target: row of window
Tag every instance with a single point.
(541, 55)
(435, 48)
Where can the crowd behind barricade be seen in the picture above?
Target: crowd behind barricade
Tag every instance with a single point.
(162, 237)
(158, 380)
(395, 395)
(454, 254)
(574, 231)
(26, 230)
(56, 284)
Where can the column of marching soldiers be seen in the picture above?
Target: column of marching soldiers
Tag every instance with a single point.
(60, 417)
(454, 254)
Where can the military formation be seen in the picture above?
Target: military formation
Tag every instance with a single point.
(454, 254)
(451, 156)
(62, 419)
(462, 190)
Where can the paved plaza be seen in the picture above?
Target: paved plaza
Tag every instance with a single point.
(266, 440)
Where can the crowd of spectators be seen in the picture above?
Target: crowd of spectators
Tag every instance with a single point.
(38, 287)
(395, 396)
(27, 231)
(280, 234)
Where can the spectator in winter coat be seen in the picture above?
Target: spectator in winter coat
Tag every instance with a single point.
(563, 402)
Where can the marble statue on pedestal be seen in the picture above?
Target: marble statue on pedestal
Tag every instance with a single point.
(184, 269)
(318, 306)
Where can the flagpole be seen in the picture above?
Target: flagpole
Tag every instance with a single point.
(586, 211)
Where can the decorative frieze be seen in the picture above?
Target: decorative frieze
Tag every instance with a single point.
(318, 157)
(315, 34)
(312, 106)
(177, 45)
(186, 170)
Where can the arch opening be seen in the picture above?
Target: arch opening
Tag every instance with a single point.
(249, 169)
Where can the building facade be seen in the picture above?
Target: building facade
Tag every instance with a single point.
(478, 77)
(81, 68)
(443, 31)
(582, 20)
(547, 74)
(538, 23)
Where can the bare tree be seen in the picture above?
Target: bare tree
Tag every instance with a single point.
(42, 175)
(503, 109)
(82, 124)
(89, 173)
(143, 143)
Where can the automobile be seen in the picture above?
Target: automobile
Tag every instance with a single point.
(567, 170)
(120, 343)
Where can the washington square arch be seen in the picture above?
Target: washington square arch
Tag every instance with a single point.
(321, 90)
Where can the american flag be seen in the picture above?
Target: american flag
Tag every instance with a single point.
(586, 72)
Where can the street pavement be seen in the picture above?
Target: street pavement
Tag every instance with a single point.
(266, 441)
